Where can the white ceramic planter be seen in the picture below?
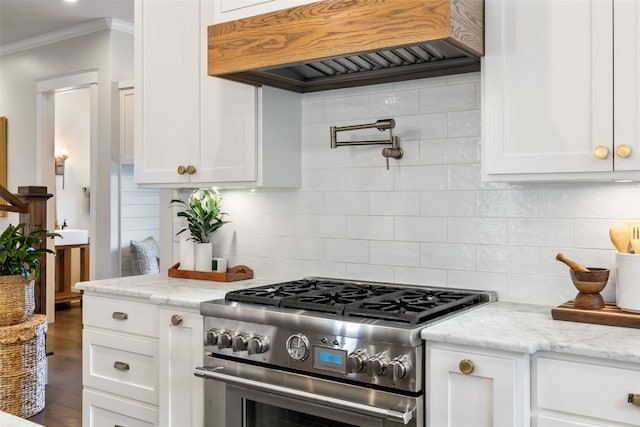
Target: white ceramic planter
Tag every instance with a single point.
(203, 252)
(187, 254)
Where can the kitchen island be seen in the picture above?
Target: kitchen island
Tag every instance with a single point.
(513, 365)
(8, 420)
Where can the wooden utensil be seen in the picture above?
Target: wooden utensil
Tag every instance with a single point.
(572, 264)
(619, 234)
(635, 239)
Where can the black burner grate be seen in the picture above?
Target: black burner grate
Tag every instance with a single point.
(365, 300)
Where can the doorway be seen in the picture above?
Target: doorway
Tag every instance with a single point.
(77, 135)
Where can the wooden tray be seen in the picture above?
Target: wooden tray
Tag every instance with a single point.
(610, 315)
(237, 272)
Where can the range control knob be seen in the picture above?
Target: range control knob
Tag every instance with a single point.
(224, 340)
(239, 343)
(211, 337)
(258, 344)
(398, 368)
(356, 361)
(376, 366)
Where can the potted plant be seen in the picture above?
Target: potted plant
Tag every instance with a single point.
(204, 217)
(21, 251)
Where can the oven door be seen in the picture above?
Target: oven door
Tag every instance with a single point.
(260, 397)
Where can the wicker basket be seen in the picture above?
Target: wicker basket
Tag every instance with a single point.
(23, 362)
(16, 299)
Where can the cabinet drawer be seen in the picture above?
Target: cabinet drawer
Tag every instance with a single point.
(588, 389)
(120, 315)
(121, 365)
(102, 410)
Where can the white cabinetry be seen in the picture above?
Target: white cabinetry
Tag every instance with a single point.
(126, 95)
(493, 391)
(120, 362)
(192, 129)
(228, 10)
(583, 392)
(181, 393)
(548, 90)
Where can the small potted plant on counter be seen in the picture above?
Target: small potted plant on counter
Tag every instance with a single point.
(21, 250)
(204, 217)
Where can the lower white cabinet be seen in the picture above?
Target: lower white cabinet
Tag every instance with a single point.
(469, 386)
(573, 391)
(138, 361)
(119, 362)
(181, 393)
(104, 410)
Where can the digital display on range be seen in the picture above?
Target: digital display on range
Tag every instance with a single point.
(330, 359)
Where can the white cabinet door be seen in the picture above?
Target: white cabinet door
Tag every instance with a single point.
(228, 10)
(495, 394)
(167, 47)
(547, 86)
(181, 393)
(626, 68)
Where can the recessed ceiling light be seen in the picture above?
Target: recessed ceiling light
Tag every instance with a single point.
(71, 1)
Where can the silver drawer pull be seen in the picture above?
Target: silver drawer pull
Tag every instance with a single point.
(634, 399)
(121, 366)
(119, 315)
(117, 425)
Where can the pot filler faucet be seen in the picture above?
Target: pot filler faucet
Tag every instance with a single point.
(386, 124)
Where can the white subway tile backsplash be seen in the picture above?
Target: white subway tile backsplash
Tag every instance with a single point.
(418, 178)
(507, 203)
(449, 150)
(477, 230)
(463, 123)
(420, 229)
(391, 104)
(394, 203)
(370, 227)
(428, 220)
(368, 179)
(541, 232)
(404, 254)
(447, 203)
(448, 256)
(448, 98)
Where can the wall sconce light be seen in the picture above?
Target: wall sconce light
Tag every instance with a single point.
(60, 159)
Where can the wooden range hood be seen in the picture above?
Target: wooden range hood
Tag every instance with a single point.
(342, 43)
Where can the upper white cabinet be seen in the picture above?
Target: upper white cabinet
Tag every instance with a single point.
(194, 130)
(228, 10)
(560, 90)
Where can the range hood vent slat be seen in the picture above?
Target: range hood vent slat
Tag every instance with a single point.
(333, 44)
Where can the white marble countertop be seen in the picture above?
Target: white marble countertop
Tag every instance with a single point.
(8, 420)
(526, 328)
(161, 289)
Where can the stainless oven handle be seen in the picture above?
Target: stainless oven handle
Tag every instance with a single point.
(395, 416)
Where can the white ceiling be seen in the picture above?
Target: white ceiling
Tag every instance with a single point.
(23, 19)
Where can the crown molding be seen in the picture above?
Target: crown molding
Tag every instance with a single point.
(67, 33)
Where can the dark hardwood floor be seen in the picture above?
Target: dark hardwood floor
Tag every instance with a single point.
(63, 395)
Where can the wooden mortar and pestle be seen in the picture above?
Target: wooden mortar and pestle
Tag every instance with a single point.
(589, 282)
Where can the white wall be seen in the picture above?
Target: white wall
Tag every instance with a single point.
(429, 219)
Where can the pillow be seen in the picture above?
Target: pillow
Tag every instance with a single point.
(145, 256)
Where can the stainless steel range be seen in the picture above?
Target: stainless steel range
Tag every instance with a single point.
(322, 352)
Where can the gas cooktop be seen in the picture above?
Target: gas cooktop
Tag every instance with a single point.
(369, 300)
